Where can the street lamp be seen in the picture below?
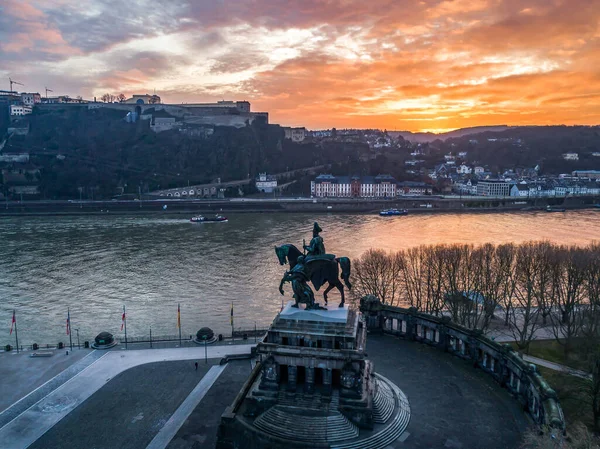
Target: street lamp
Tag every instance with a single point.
(77, 330)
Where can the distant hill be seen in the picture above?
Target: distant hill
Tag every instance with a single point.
(97, 151)
(430, 137)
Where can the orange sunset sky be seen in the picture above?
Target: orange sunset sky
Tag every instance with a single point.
(399, 65)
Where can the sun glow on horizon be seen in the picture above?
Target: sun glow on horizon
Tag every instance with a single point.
(428, 67)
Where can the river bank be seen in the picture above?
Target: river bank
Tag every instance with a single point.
(415, 205)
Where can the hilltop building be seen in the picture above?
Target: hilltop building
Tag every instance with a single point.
(19, 110)
(295, 134)
(143, 99)
(30, 99)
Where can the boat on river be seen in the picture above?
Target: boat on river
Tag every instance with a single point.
(215, 219)
(393, 212)
(555, 209)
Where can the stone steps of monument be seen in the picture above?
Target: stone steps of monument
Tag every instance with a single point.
(285, 422)
(384, 403)
(314, 401)
(391, 432)
(335, 400)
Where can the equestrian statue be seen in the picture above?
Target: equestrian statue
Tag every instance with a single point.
(313, 265)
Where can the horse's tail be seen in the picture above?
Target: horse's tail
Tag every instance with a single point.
(344, 263)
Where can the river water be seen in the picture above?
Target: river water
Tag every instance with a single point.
(95, 265)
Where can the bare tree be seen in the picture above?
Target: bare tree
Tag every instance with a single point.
(505, 266)
(413, 277)
(108, 98)
(523, 317)
(544, 255)
(569, 267)
(379, 273)
(121, 97)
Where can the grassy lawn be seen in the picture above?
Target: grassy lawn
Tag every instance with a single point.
(573, 394)
(554, 352)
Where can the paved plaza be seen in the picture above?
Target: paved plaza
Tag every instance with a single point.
(124, 400)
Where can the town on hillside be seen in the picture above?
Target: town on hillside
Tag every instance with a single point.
(524, 162)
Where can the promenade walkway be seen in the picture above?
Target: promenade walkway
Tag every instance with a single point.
(43, 390)
(557, 367)
(30, 424)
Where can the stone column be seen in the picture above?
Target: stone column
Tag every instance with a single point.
(327, 379)
(292, 377)
(309, 386)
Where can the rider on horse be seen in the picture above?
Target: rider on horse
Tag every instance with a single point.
(316, 249)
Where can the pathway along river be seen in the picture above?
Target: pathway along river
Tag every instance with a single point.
(95, 265)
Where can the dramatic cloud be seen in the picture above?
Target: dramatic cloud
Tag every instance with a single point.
(395, 64)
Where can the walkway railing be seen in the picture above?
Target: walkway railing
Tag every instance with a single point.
(500, 361)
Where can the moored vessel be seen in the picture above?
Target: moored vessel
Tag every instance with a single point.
(393, 212)
(215, 219)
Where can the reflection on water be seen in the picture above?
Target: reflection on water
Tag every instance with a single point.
(94, 265)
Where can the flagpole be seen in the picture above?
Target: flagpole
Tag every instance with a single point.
(16, 331)
(125, 324)
(231, 319)
(179, 322)
(69, 327)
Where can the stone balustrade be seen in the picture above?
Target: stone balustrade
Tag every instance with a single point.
(500, 361)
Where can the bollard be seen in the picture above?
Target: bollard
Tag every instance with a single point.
(220, 337)
(35, 347)
(86, 344)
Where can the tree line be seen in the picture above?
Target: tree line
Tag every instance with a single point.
(521, 287)
(529, 285)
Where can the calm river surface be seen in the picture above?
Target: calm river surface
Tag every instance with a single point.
(95, 265)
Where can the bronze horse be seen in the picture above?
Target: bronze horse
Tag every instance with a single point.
(319, 270)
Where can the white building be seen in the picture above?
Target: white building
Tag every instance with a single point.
(266, 183)
(520, 190)
(30, 99)
(462, 154)
(464, 169)
(571, 156)
(381, 186)
(491, 187)
(19, 110)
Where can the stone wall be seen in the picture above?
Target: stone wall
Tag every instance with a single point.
(500, 361)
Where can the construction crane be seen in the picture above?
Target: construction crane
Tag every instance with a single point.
(14, 82)
(48, 90)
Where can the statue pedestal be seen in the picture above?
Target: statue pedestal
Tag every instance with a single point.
(331, 314)
(311, 363)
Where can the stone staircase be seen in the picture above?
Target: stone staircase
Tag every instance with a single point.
(285, 422)
(392, 431)
(384, 403)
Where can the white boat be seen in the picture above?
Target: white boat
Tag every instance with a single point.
(215, 219)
